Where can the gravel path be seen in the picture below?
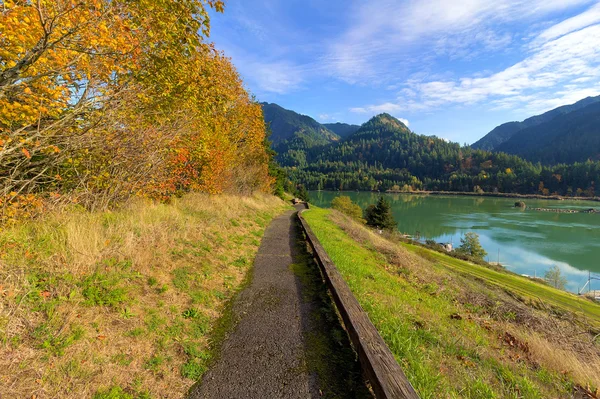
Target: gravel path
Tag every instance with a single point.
(264, 356)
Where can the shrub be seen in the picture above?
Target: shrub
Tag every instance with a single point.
(345, 205)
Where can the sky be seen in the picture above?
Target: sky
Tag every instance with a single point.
(454, 69)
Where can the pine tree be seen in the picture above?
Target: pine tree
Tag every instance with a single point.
(380, 215)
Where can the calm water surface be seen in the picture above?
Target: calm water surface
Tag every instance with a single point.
(528, 242)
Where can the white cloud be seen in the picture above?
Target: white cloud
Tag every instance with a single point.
(405, 121)
(557, 72)
(583, 20)
(384, 32)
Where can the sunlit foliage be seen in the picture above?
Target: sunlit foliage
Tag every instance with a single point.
(104, 99)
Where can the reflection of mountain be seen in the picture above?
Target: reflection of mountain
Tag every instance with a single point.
(572, 239)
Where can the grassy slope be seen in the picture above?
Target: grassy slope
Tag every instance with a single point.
(123, 303)
(454, 334)
(524, 287)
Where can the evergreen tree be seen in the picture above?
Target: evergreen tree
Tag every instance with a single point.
(380, 215)
(470, 245)
(302, 193)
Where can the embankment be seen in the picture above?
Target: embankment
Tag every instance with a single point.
(464, 330)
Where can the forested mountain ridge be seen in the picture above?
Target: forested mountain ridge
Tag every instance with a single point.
(567, 138)
(341, 129)
(293, 133)
(506, 131)
(385, 155)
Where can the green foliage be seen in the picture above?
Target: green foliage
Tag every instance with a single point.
(470, 245)
(117, 392)
(380, 215)
(345, 205)
(293, 134)
(189, 313)
(103, 290)
(56, 344)
(193, 369)
(302, 193)
(555, 277)
(113, 393)
(276, 172)
(384, 154)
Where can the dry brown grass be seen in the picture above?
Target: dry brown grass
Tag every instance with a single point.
(158, 261)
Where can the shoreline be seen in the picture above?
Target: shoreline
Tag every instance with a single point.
(457, 193)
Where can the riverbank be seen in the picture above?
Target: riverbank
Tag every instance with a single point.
(498, 195)
(462, 330)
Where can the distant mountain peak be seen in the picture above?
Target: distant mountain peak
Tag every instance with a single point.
(387, 120)
(503, 133)
(342, 129)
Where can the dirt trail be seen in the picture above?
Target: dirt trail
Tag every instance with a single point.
(265, 356)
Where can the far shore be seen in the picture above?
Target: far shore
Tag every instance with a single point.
(499, 195)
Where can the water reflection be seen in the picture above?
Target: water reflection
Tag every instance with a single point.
(529, 242)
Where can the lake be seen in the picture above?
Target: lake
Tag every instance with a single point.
(527, 242)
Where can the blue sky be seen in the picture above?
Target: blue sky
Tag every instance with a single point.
(454, 69)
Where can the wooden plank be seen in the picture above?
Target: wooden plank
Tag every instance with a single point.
(378, 362)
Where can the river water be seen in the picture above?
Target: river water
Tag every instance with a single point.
(526, 242)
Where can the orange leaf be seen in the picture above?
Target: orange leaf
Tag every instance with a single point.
(45, 294)
(101, 337)
(27, 154)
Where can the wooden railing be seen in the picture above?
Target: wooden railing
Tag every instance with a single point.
(377, 361)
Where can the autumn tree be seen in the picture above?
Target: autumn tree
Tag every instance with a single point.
(104, 99)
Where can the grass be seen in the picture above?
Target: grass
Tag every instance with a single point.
(124, 304)
(459, 330)
(526, 289)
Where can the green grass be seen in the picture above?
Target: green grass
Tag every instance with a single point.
(524, 287)
(442, 356)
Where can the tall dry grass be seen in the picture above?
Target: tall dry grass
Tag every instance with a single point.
(162, 260)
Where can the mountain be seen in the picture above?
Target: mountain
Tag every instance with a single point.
(292, 134)
(384, 154)
(288, 125)
(342, 129)
(567, 138)
(504, 132)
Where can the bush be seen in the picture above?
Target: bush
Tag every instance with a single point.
(345, 205)
(380, 215)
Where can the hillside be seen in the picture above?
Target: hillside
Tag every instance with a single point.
(504, 132)
(342, 129)
(293, 133)
(121, 304)
(384, 154)
(463, 330)
(567, 138)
